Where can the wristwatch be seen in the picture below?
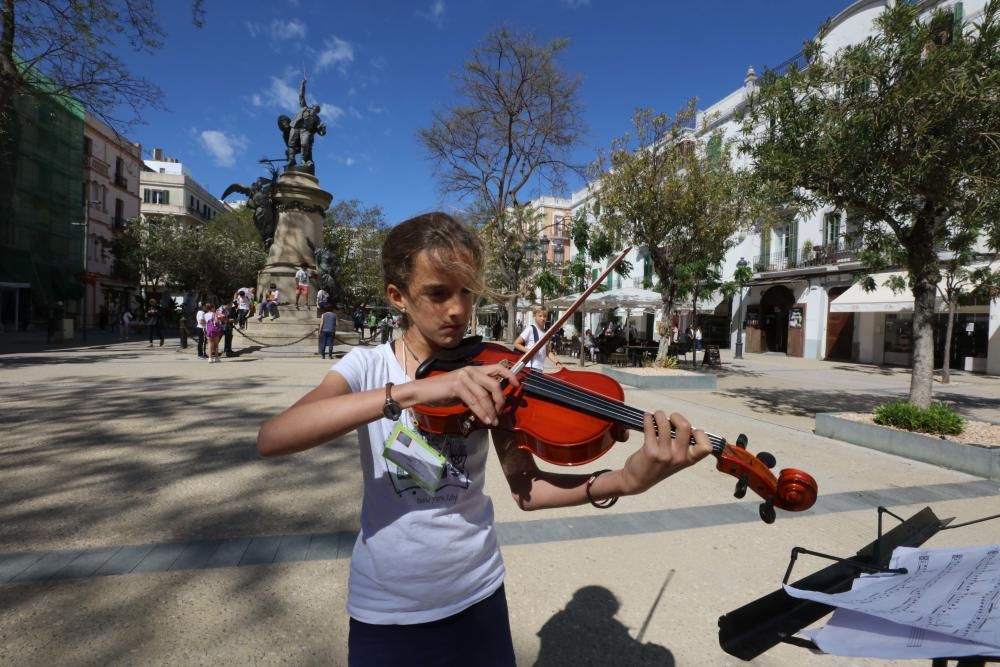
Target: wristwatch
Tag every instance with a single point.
(391, 410)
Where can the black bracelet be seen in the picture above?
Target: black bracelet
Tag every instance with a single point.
(599, 504)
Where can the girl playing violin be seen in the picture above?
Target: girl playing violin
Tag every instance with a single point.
(426, 572)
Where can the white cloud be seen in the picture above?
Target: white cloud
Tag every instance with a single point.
(253, 28)
(434, 14)
(279, 94)
(349, 161)
(336, 53)
(288, 29)
(330, 113)
(373, 108)
(576, 4)
(222, 147)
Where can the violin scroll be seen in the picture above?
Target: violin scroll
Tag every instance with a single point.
(792, 490)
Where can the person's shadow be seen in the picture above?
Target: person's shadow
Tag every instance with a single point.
(586, 632)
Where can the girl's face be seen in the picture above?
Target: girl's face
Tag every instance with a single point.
(437, 304)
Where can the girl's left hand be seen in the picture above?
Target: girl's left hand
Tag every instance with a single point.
(661, 454)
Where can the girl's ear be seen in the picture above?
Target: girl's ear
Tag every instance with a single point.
(395, 297)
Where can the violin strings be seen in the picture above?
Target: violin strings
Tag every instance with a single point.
(570, 395)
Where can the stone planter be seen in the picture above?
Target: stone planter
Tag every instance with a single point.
(980, 460)
(689, 381)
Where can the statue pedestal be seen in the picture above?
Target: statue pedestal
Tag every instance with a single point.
(300, 204)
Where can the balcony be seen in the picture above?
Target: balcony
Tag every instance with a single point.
(832, 254)
(93, 164)
(121, 181)
(117, 224)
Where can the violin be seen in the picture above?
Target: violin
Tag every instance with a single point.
(566, 418)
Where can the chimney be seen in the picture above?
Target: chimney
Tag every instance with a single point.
(750, 80)
(158, 154)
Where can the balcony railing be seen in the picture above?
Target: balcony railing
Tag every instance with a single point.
(805, 257)
(117, 223)
(121, 181)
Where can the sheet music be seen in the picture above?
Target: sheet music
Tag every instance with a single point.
(951, 592)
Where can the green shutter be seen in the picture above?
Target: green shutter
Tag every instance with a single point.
(959, 18)
(714, 150)
(792, 242)
(765, 250)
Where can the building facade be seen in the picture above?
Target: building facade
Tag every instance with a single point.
(167, 188)
(111, 168)
(41, 212)
(802, 300)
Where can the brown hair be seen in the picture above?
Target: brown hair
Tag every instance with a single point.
(452, 246)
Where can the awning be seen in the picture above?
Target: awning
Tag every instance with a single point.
(880, 300)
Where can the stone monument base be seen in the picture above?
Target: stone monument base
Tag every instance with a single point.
(300, 204)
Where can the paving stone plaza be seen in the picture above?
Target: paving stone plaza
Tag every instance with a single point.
(139, 526)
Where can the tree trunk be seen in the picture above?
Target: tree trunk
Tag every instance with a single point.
(946, 363)
(512, 331)
(922, 379)
(668, 307)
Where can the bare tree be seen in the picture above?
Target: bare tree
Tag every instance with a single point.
(518, 119)
(67, 49)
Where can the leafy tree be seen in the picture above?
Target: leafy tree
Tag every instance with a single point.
(66, 48)
(213, 257)
(354, 234)
(896, 131)
(518, 120)
(661, 191)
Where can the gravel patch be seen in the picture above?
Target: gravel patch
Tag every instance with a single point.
(975, 433)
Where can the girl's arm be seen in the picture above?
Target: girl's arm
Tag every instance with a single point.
(660, 457)
(332, 409)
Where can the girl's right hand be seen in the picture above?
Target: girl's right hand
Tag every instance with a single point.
(479, 388)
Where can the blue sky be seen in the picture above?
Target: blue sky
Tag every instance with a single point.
(380, 67)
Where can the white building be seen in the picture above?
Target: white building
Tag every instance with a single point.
(168, 188)
(801, 301)
(111, 167)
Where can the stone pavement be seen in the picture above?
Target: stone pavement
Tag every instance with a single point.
(138, 525)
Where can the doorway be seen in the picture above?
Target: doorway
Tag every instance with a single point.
(774, 305)
(839, 331)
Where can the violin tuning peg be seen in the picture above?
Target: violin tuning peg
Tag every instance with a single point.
(767, 458)
(742, 441)
(767, 514)
(741, 486)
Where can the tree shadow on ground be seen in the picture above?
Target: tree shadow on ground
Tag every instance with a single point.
(586, 632)
(885, 371)
(806, 403)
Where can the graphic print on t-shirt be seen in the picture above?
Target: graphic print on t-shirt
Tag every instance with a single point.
(453, 448)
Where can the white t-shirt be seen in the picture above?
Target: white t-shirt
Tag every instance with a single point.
(301, 277)
(419, 557)
(199, 318)
(530, 338)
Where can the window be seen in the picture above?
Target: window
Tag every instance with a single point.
(155, 196)
(87, 145)
(104, 198)
(714, 148)
(791, 242)
(832, 234)
(119, 220)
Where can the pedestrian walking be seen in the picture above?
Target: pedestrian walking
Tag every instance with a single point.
(327, 331)
(446, 601)
(214, 322)
(154, 321)
(531, 335)
(372, 325)
(126, 323)
(199, 320)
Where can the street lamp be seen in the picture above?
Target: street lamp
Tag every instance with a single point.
(741, 268)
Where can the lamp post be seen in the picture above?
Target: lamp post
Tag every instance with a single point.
(741, 268)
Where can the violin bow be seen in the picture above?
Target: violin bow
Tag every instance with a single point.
(523, 361)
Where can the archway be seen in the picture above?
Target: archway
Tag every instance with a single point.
(774, 305)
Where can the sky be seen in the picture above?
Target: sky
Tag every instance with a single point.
(380, 68)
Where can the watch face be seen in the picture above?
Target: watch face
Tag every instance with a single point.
(391, 410)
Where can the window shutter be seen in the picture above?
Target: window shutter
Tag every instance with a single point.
(714, 150)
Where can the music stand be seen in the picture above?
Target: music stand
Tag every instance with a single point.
(775, 618)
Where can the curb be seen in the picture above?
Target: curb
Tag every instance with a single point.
(977, 460)
(696, 382)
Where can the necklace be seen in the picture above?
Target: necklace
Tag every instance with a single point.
(410, 352)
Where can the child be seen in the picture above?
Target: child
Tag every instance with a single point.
(302, 285)
(426, 572)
